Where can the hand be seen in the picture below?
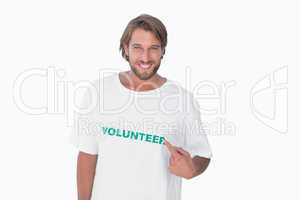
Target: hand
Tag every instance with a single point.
(180, 163)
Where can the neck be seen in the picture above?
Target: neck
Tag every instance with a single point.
(131, 81)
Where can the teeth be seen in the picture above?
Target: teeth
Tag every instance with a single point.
(144, 66)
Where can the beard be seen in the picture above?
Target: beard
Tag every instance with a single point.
(145, 74)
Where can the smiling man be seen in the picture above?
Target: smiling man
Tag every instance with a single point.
(161, 138)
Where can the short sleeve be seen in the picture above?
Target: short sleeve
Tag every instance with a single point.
(83, 133)
(196, 141)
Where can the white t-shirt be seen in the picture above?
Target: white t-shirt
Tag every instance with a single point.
(127, 129)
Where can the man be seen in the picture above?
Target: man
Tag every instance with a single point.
(146, 133)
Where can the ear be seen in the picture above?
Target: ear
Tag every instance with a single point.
(126, 49)
(162, 54)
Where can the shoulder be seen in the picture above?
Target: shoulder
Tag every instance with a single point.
(104, 81)
(175, 87)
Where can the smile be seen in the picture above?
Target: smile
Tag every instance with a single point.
(144, 66)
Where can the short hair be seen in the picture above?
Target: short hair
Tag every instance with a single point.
(148, 23)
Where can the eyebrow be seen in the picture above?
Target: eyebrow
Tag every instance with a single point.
(154, 45)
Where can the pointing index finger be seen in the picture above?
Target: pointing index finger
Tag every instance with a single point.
(170, 147)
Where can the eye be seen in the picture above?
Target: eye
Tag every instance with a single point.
(155, 48)
(136, 47)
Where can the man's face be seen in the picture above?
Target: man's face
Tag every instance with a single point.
(144, 52)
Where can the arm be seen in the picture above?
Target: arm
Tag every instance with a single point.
(86, 167)
(200, 164)
(182, 164)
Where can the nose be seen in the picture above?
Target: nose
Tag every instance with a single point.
(145, 56)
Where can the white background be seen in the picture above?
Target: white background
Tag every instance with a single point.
(220, 41)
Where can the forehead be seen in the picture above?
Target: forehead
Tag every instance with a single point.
(140, 36)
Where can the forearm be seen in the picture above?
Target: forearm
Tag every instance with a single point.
(86, 166)
(200, 164)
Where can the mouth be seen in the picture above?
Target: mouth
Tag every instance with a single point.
(144, 66)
